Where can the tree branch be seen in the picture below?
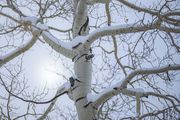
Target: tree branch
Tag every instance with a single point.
(97, 1)
(14, 8)
(8, 16)
(62, 90)
(140, 9)
(162, 16)
(65, 48)
(156, 113)
(124, 29)
(61, 47)
(120, 87)
(23, 48)
(114, 40)
(59, 91)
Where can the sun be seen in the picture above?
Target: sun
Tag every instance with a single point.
(48, 73)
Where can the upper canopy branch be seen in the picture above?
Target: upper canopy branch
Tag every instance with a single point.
(13, 7)
(66, 48)
(140, 9)
(37, 29)
(163, 16)
(124, 29)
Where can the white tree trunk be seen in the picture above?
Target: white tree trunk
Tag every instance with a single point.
(82, 87)
(82, 66)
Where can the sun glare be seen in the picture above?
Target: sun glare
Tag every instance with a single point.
(47, 73)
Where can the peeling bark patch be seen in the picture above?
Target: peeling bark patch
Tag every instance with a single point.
(85, 106)
(80, 98)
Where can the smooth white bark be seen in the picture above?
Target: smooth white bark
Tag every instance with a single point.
(83, 71)
(61, 47)
(80, 17)
(82, 66)
(124, 29)
(56, 44)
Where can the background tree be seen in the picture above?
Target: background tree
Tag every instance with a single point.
(124, 56)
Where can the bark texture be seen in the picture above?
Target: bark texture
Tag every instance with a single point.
(82, 64)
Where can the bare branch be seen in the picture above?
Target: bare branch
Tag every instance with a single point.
(53, 28)
(58, 45)
(156, 113)
(42, 29)
(125, 2)
(14, 8)
(8, 16)
(97, 1)
(124, 29)
(157, 13)
(120, 86)
(49, 108)
(64, 89)
(23, 48)
(114, 40)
